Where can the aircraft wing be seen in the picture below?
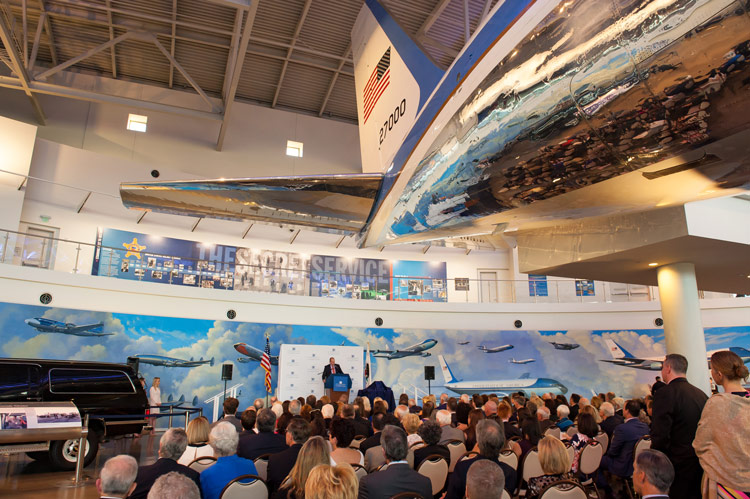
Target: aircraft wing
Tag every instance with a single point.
(333, 203)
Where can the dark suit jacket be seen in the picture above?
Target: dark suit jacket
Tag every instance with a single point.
(573, 412)
(608, 425)
(392, 480)
(510, 431)
(280, 464)
(421, 453)
(372, 441)
(545, 425)
(657, 385)
(676, 412)
(362, 427)
(457, 482)
(619, 457)
(252, 446)
(327, 370)
(147, 475)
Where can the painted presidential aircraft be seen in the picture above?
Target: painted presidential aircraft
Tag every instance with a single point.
(416, 349)
(622, 357)
(553, 110)
(253, 354)
(49, 326)
(160, 360)
(524, 361)
(524, 384)
(501, 348)
(564, 346)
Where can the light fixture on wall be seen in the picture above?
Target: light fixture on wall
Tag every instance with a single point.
(137, 122)
(653, 264)
(294, 148)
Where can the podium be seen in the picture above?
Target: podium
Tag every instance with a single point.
(337, 385)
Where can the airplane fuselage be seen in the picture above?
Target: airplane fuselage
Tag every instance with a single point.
(536, 385)
(62, 328)
(253, 354)
(158, 360)
(495, 349)
(414, 350)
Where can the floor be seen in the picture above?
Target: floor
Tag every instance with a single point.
(24, 478)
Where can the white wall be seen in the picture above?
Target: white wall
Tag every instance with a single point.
(16, 145)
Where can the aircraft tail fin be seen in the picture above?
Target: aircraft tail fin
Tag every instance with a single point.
(212, 362)
(744, 353)
(447, 373)
(170, 398)
(384, 53)
(616, 351)
(194, 402)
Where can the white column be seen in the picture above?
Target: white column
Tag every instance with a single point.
(683, 330)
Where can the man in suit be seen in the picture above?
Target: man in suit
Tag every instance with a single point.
(378, 423)
(331, 368)
(490, 439)
(619, 457)
(171, 447)
(281, 463)
(117, 478)
(230, 413)
(448, 433)
(610, 420)
(653, 474)
(657, 384)
(484, 479)
(574, 408)
(398, 476)
(677, 409)
(253, 445)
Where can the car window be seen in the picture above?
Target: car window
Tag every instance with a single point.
(89, 381)
(18, 381)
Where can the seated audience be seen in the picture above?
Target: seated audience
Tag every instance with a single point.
(411, 425)
(230, 413)
(490, 440)
(563, 411)
(555, 462)
(342, 434)
(197, 443)
(265, 441)
(587, 430)
(542, 415)
(247, 420)
(228, 466)
(475, 416)
(361, 425)
(327, 482)
(398, 476)
(504, 414)
(653, 474)
(430, 432)
(447, 432)
(313, 452)
(427, 409)
(400, 411)
(531, 434)
(318, 427)
(117, 478)
(378, 422)
(171, 446)
(619, 457)
(462, 415)
(327, 412)
(282, 422)
(484, 480)
(610, 420)
(722, 440)
(174, 485)
(490, 409)
(281, 463)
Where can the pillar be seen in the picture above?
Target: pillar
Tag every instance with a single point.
(683, 330)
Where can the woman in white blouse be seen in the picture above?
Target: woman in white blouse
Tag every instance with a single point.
(197, 432)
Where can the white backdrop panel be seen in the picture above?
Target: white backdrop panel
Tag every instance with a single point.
(301, 368)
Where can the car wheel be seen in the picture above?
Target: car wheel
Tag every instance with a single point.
(38, 455)
(63, 454)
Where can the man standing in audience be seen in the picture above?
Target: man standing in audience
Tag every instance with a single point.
(653, 474)
(448, 433)
(610, 420)
(485, 480)
(265, 442)
(398, 476)
(677, 410)
(574, 399)
(230, 413)
(117, 477)
(258, 404)
(281, 463)
(171, 446)
(378, 422)
(657, 384)
(490, 439)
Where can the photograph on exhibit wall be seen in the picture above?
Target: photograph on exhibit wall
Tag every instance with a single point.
(566, 361)
(272, 271)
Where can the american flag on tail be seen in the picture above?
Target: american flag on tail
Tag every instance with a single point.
(265, 363)
(376, 85)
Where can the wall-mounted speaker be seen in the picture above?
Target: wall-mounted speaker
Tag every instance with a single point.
(429, 373)
(155, 173)
(45, 298)
(226, 372)
(231, 314)
(658, 322)
(518, 324)
(378, 321)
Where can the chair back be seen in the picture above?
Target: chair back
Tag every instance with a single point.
(553, 431)
(407, 495)
(201, 463)
(468, 455)
(531, 465)
(563, 489)
(261, 465)
(380, 468)
(245, 486)
(418, 444)
(572, 430)
(359, 470)
(591, 457)
(505, 495)
(603, 439)
(571, 451)
(374, 457)
(509, 457)
(457, 449)
(642, 444)
(357, 440)
(434, 467)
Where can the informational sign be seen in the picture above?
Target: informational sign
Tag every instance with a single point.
(272, 271)
(419, 281)
(462, 283)
(301, 368)
(357, 278)
(39, 415)
(585, 287)
(538, 285)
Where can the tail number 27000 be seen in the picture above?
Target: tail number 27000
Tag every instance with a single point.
(392, 120)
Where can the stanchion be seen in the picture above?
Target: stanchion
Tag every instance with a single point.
(81, 451)
(170, 417)
(187, 419)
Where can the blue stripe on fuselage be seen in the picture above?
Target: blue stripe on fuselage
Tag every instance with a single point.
(499, 22)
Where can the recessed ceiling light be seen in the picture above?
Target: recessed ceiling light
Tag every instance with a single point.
(653, 264)
(294, 148)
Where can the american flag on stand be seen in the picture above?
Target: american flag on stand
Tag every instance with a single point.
(376, 85)
(265, 363)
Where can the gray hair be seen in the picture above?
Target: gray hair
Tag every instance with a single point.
(619, 402)
(607, 408)
(485, 480)
(174, 485)
(266, 421)
(118, 474)
(401, 411)
(327, 411)
(563, 411)
(657, 467)
(224, 438)
(444, 417)
(295, 407)
(277, 409)
(394, 443)
(173, 443)
(543, 411)
(258, 404)
(490, 438)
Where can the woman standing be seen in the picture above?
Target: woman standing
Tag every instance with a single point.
(154, 399)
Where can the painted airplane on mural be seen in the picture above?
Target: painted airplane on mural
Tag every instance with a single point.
(524, 384)
(523, 361)
(501, 348)
(49, 326)
(564, 346)
(552, 110)
(160, 360)
(253, 354)
(622, 357)
(414, 350)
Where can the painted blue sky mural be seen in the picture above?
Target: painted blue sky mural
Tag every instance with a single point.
(579, 369)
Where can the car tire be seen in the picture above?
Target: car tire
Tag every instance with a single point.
(63, 453)
(40, 455)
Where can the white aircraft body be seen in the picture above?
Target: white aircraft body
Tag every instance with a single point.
(622, 357)
(524, 361)
(501, 348)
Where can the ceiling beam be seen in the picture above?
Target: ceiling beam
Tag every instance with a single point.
(48, 29)
(25, 29)
(184, 73)
(111, 37)
(236, 72)
(485, 11)
(297, 60)
(85, 55)
(233, 51)
(432, 17)
(20, 70)
(37, 40)
(333, 80)
(297, 31)
(172, 42)
(446, 49)
(467, 24)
